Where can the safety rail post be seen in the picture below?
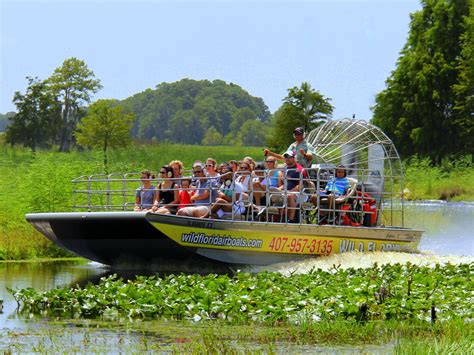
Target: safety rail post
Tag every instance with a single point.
(124, 186)
(73, 195)
(89, 192)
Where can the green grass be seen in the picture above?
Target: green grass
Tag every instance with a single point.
(452, 181)
(40, 182)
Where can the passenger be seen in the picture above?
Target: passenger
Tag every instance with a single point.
(234, 165)
(259, 185)
(167, 195)
(335, 191)
(145, 194)
(272, 172)
(202, 198)
(226, 171)
(303, 150)
(338, 185)
(228, 198)
(213, 177)
(244, 176)
(178, 169)
(211, 168)
(196, 167)
(250, 161)
(185, 193)
(291, 184)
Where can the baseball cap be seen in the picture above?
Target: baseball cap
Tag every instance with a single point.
(299, 130)
(289, 153)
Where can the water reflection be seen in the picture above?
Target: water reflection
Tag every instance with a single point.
(41, 276)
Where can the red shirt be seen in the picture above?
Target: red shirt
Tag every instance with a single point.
(184, 198)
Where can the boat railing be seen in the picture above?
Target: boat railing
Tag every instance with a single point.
(117, 192)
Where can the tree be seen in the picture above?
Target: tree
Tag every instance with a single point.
(463, 120)
(240, 117)
(252, 133)
(183, 111)
(73, 83)
(212, 137)
(38, 119)
(421, 109)
(105, 126)
(302, 107)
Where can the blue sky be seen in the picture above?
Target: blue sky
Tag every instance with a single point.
(344, 49)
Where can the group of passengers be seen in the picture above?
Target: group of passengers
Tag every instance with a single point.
(231, 187)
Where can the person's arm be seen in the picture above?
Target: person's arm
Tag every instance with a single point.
(296, 188)
(200, 197)
(227, 198)
(306, 154)
(156, 202)
(268, 152)
(137, 201)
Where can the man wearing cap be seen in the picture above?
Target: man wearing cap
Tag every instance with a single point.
(291, 178)
(301, 148)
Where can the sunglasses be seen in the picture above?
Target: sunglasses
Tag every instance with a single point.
(269, 161)
(244, 167)
(162, 172)
(197, 171)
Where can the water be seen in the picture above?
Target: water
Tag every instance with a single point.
(449, 237)
(449, 227)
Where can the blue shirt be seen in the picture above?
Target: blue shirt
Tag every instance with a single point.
(338, 186)
(146, 196)
(202, 185)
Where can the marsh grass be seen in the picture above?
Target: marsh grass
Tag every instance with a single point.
(451, 181)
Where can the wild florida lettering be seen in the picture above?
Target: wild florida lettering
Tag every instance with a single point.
(221, 240)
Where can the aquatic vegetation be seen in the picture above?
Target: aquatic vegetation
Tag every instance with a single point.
(388, 292)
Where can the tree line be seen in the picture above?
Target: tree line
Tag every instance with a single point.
(426, 108)
(55, 112)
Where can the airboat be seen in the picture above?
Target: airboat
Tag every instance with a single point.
(104, 227)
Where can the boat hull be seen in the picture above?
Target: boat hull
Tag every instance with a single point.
(261, 243)
(135, 240)
(124, 240)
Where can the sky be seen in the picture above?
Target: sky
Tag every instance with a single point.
(344, 49)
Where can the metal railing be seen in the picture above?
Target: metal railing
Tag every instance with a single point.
(117, 192)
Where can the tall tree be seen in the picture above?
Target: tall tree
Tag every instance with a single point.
(463, 120)
(417, 108)
(302, 107)
(73, 83)
(105, 126)
(38, 119)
